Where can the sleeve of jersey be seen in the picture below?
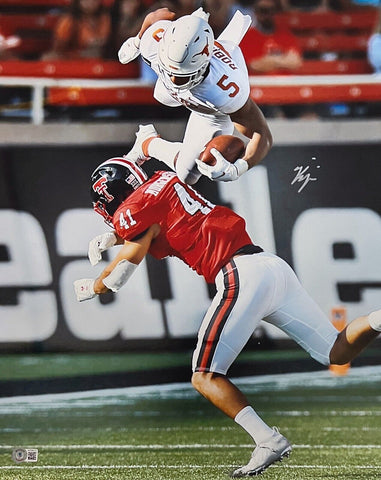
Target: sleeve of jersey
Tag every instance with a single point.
(237, 83)
(149, 43)
(132, 219)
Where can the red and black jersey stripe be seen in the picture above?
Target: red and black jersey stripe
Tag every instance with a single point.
(219, 317)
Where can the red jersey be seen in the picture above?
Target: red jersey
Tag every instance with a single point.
(203, 235)
(256, 44)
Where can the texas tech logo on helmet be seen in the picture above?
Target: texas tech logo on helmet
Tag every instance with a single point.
(100, 186)
(112, 182)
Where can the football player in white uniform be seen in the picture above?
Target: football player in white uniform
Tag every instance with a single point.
(209, 78)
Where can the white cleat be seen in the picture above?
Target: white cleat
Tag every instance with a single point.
(265, 454)
(144, 135)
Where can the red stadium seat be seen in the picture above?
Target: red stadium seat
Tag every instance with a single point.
(24, 22)
(336, 42)
(97, 69)
(335, 67)
(262, 94)
(35, 3)
(316, 93)
(304, 21)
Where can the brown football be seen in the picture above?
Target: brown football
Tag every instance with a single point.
(230, 146)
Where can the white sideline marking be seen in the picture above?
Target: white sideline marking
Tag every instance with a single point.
(180, 467)
(183, 446)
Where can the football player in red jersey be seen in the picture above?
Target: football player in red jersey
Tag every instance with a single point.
(210, 79)
(165, 217)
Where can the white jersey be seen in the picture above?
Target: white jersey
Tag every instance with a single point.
(225, 88)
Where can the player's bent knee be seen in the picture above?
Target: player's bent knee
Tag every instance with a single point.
(200, 380)
(186, 175)
(339, 354)
(189, 178)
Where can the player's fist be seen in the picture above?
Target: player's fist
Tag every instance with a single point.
(99, 244)
(84, 289)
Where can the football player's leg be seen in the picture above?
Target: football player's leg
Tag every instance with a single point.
(200, 129)
(302, 320)
(244, 290)
(149, 144)
(355, 337)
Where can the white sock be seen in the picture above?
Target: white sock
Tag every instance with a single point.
(374, 320)
(164, 151)
(254, 425)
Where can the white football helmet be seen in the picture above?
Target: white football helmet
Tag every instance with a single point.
(185, 51)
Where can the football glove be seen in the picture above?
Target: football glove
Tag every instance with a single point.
(129, 50)
(99, 244)
(223, 170)
(84, 289)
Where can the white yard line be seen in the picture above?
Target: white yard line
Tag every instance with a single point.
(181, 446)
(180, 467)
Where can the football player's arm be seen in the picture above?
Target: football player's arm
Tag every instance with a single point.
(250, 121)
(130, 255)
(130, 48)
(117, 272)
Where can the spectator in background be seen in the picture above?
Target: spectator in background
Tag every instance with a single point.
(126, 19)
(7, 44)
(185, 7)
(311, 5)
(82, 33)
(271, 50)
(220, 14)
(374, 46)
(267, 49)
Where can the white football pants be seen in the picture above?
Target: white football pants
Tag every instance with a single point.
(251, 288)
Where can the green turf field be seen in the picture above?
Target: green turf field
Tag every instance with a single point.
(169, 432)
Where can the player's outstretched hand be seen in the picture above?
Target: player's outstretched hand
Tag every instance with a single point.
(99, 244)
(222, 170)
(84, 289)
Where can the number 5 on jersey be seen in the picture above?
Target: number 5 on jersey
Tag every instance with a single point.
(227, 86)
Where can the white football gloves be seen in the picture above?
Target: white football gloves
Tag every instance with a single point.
(223, 170)
(99, 244)
(84, 289)
(129, 50)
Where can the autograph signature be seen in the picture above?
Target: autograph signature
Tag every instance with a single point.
(303, 175)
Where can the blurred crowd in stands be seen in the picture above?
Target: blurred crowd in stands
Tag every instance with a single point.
(95, 29)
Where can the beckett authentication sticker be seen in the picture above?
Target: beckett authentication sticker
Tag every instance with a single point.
(20, 455)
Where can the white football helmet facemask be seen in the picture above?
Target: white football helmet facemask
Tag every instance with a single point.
(185, 51)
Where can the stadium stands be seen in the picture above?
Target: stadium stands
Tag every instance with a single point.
(345, 34)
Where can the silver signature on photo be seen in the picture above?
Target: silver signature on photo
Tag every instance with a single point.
(303, 176)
